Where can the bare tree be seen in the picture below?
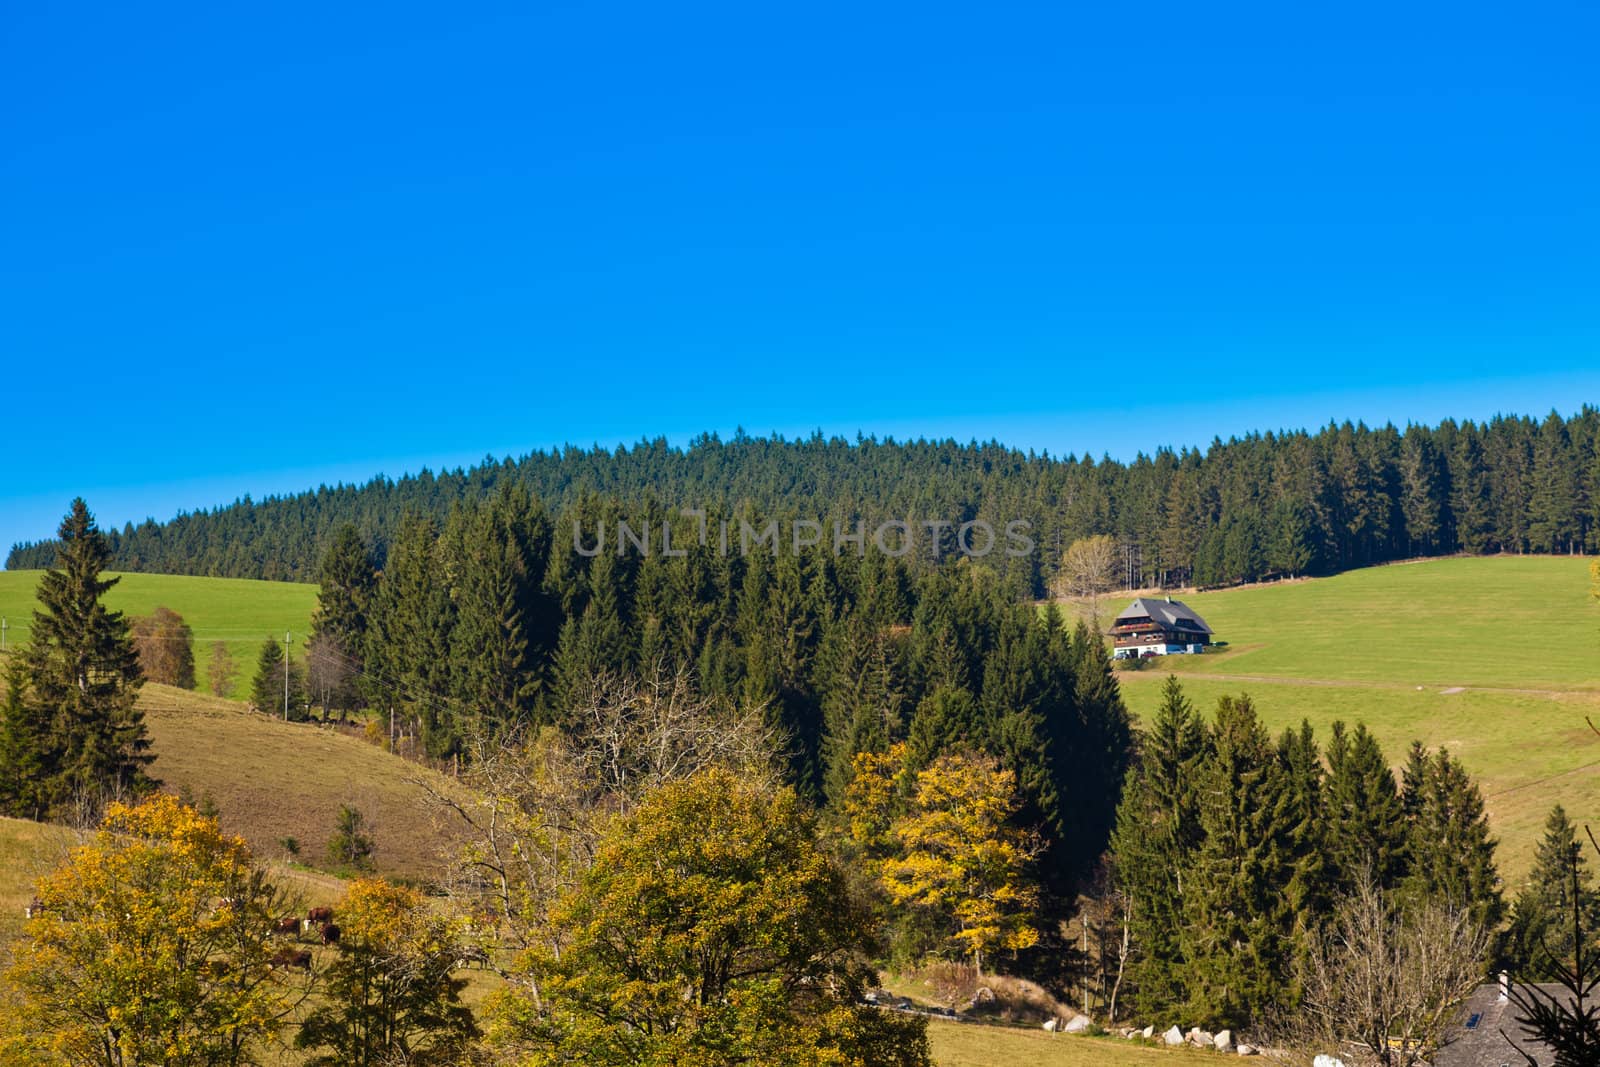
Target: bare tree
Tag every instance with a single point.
(221, 669)
(1384, 979)
(329, 673)
(537, 800)
(1088, 571)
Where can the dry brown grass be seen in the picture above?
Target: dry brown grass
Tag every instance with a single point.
(271, 779)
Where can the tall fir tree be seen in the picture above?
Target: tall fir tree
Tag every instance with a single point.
(1451, 853)
(1153, 845)
(1540, 936)
(1366, 826)
(83, 674)
(1238, 934)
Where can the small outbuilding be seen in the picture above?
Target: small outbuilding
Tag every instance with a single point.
(1158, 626)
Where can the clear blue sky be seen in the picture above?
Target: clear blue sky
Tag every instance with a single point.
(247, 249)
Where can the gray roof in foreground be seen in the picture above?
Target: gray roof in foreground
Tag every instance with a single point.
(1173, 614)
(1483, 1044)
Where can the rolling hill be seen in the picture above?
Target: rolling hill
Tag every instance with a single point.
(1496, 658)
(236, 611)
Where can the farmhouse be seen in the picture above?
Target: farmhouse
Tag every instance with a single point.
(1153, 626)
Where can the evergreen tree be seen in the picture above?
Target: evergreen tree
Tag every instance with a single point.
(24, 734)
(1153, 845)
(1238, 933)
(344, 604)
(84, 674)
(1541, 933)
(408, 635)
(1366, 827)
(268, 692)
(1451, 852)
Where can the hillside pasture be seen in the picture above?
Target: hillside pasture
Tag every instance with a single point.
(271, 779)
(239, 612)
(1496, 659)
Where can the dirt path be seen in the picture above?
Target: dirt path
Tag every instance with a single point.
(1351, 683)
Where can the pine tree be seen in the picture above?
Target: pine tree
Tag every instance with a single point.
(24, 731)
(1238, 932)
(84, 674)
(268, 693)
(1541, 920)
(349, 581)
(1366, 828)
(1153, 845)
(1451, 852)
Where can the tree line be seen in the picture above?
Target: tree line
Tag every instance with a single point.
(1251, 507)
(490, 623)
(1313, 894)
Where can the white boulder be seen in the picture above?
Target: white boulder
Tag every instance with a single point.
(1050, 1025)
(1078, 1025)
(1174, 1036)
(1223, 1041)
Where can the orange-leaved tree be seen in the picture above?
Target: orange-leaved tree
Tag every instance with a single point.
(960, 859)
(152, 944)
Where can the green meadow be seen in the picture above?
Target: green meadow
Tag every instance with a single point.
(1496, 659)
(239, 612)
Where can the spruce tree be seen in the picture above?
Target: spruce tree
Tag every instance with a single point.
(1366, 827)
(24, 733)
(1153, 845)
(268, 692)
(84, 675)
(349, 581)
(1238, 932)
(1540, 936)
(1451, 852)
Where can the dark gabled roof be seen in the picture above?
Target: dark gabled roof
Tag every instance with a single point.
(1169, 613)
(1482, 1044)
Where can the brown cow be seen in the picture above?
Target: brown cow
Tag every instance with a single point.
(330, 933)
(320, 915)
(34, 909)
(292, 957)
(287, 927)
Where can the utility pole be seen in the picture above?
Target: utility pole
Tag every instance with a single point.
(286, 676)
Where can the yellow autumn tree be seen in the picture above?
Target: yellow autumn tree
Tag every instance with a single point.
(152, 944)
(961, 860)
(391, 994)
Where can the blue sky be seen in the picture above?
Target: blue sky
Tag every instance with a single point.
(248, 250)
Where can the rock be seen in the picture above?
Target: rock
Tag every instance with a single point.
(1324, 1060)
(1050, 1025)
(1148, 1032)
(1224, 1041)
(1173, 1036)
(984, 995)
(1200, 1038)
(1247, 1050)
(1079, 1024)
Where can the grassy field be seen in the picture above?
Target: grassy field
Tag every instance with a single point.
(237, 611)
(966, 1045)
(1497, 659)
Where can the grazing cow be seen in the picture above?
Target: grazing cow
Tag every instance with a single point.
(287, 927)
(318, 916)
(34, 909)
(330, 933)
(473, 955)
(292, 957)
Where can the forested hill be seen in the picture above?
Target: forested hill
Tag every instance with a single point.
(1266, 504)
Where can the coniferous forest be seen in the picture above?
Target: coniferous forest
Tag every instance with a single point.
(1267, 504)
